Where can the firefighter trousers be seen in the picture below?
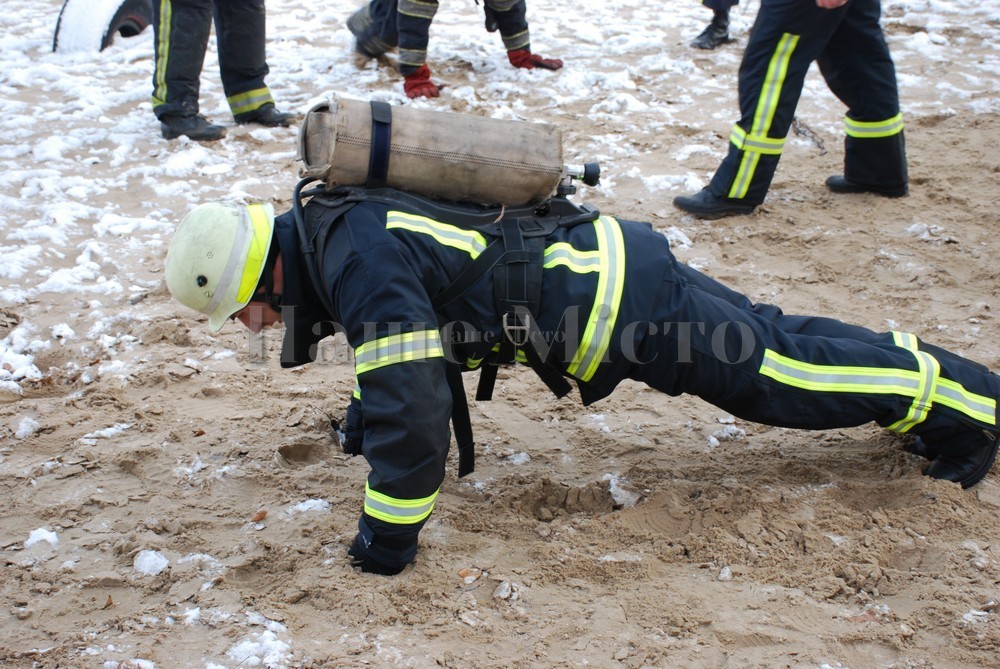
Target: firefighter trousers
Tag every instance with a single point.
(383, 25)
(760, 364)
(848, 45)
(181, 30)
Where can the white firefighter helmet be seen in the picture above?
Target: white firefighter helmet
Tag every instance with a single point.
(217, 256)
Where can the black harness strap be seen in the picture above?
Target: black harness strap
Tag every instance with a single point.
(461, 422)
(517, 289)
(378, 158)
(515, 256)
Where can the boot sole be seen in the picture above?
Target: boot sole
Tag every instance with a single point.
(715, 215)
(848, 189)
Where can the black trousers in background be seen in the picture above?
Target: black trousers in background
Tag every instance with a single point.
(181, 29)
(848, 45)
(383, 25)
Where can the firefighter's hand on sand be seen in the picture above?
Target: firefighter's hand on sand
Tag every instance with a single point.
(419, 85)
(527, 60)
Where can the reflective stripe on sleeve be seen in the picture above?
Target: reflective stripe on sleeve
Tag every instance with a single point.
(398, 511)
(421, 345)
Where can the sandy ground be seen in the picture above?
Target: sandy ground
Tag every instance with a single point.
(643, 531)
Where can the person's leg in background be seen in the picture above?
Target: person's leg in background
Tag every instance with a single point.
(180, 38)
(241, 36)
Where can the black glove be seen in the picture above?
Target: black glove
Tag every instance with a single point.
(353, 436)
(383, 555)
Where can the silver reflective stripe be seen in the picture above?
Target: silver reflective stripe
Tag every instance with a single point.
(580, 262)
(397, 511)
(839, 379)
(469, 241)
(237, 254)
(397, 348)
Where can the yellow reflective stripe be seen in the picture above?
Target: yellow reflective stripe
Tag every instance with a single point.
(930, 371)
(767, 105)
(516, 41)
(420, 345)
(577, 261)
(414, 57)
(868, 129)
(398, 511)
(978, 407)
(162, 54)
(241, 103)
(759, 143)
(257, 255)
(357, 389)
(501, 5)
(607, 300)
(947, 392)
(417, 8)
(835, 379)
(925, 385)
(469, 241)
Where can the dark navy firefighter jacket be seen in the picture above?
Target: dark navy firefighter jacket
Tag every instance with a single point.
(615, 304)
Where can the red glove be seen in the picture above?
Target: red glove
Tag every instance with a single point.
(419, 85)
(527, 60)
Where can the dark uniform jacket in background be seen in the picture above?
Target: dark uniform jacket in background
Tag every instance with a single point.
(615, 305)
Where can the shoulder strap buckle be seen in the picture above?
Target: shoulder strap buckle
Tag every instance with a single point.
(517, 327)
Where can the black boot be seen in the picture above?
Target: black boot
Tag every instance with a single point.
(707, 205)
(267, 115)
(192, 126)
(716, 34)
(966, 469)
(840, 184)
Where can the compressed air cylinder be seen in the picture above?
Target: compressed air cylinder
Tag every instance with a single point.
(452, 156)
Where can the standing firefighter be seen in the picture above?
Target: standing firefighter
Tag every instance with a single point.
(181, 29)
(846, 41)
(383, 25)
(423, 290)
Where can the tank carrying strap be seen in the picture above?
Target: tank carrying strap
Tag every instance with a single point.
(378, 157)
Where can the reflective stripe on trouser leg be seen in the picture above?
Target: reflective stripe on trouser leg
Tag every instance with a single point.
(875, 152)
(413, 23)
(510, 16)
(925, 386)
(398, 511)
(181, 31)
(240, 35)
(757, 140)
